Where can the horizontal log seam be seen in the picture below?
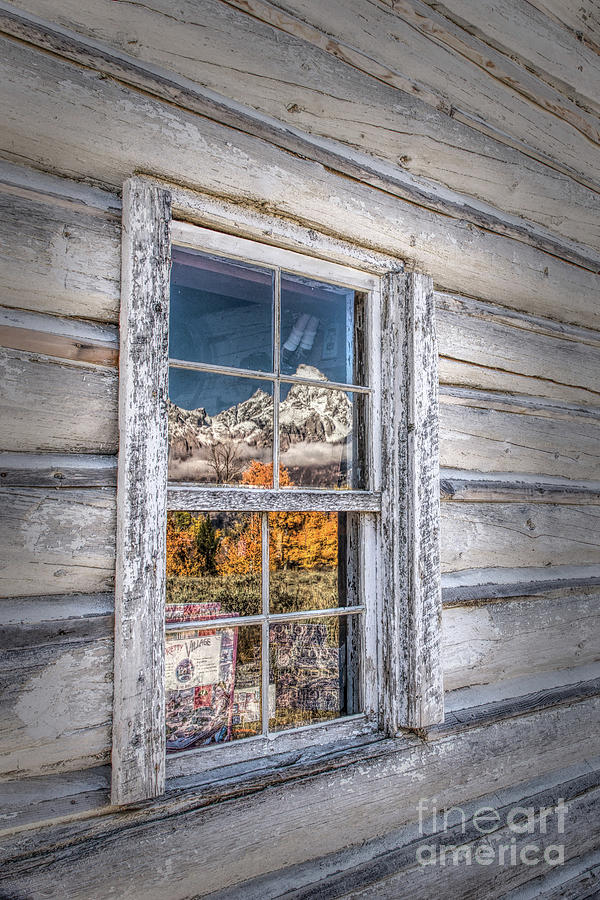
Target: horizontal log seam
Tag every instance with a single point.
(501, 490)
(35, 615)
(58, 346)
(73, 471)
(356, 59)
(55, 608)
(98, 353)
(476, 716)
(508, 317)
(60, 340)
(586, 103)
(52, 469)
(474, 45)
(483, 594)
(580, 35)
(51, 198)
(365, 170)
(527, 403)
(503, 371)
(49, 188)
(22, 639)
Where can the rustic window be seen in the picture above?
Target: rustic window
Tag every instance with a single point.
(277, 565)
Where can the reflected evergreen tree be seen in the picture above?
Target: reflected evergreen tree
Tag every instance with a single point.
(207, 542)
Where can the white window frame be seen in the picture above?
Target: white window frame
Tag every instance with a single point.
(399, 512)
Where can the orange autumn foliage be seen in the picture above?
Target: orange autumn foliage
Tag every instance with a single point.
(296, 540)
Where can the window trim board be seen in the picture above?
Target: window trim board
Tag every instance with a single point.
(138, 734)
(410, 516)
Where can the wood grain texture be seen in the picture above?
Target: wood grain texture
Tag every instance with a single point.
(63, 608)
(515, 534)
(55, 257)
(124, 124)
(267, 500)
(57, 470)
(439, 63)
(387, 867)
(81, 858)
(479, 586)
(38, 412)
(411, 591)
(90, 470)
(484, 346)
(50, 797)
(138, 755)
(518, 637)
(398, 873)
(56, 701)
(537, 42)
(458, 485)
(56, 665)
(487, 432)
(70, 339)
(296, 79)
(56, 541)
(582, 18)
(580, 881)
(60, 540)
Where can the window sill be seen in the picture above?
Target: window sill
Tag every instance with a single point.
(263, 751)
(233, 780)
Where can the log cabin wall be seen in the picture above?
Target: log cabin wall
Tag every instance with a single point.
(464, 139)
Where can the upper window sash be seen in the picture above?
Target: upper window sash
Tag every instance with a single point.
(360, 329)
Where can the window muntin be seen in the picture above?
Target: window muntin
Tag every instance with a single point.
(236, 420)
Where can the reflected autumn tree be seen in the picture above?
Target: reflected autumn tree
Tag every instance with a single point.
(298, 542)
(192, 544)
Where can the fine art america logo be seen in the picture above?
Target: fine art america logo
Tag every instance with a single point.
(492, 836)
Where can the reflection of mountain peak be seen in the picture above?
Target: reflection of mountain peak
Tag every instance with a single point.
(306, 371)
(309, 413)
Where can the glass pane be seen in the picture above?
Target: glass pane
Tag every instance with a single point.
(317, 329)
(221, 312)
(213, 565)
(308, 561)
(212, 679)
(220, 428)
(316, 436)
(314, 669)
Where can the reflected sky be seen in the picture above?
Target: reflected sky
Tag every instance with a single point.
(221, 312)
(317, 327)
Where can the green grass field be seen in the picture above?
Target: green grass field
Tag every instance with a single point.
(289, 591)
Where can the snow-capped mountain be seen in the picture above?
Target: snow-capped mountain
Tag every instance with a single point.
(308, 414)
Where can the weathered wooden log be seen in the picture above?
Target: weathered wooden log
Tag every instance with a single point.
(94, 855)
(464, 139)
(59, 254)
(116, 144)
(487, 643)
